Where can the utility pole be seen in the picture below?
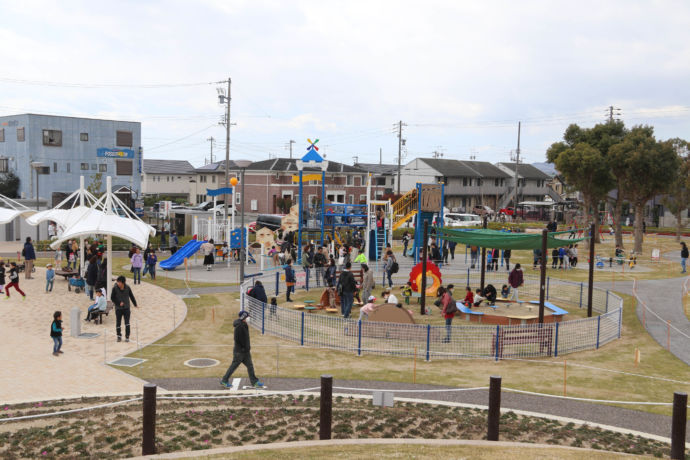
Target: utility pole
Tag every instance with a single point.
(517, 162)
(380, 155)
(291, 142)
(212, 140)
(356, 158)
(400, 144)
(611, 112)
(226, 99)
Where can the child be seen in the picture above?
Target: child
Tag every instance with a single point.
(225, 250)
(14, 281)
(489, 260)
(274, 306)
(469, 297)
(56, 333)
(478, 299)
(151, 264)
(100, 305)
(407, 292)
(2, 277)
(505, 291)
(368, 308)
(50, 278)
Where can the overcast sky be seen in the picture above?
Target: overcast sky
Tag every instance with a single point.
(460, 75)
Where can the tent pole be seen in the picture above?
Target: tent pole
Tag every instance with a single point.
(542, 274)
(109, 238)
(81, 238)
(591, 272)
(483, 273)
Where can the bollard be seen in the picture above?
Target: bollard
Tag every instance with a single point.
(326, 411)
(148, 443)
(494, 407)
(680, 409)
(75, 322)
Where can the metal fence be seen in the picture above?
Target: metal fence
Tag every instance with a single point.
(460, 340)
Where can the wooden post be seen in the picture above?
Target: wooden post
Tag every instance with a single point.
(680, 409)
(326, 411)
(422, 299)
(483, 273)
(590, 287)
(494, 408)
(565, 375)
(148, 443)
(542, 275)
(414, 369)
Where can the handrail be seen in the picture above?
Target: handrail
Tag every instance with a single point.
(404, 208)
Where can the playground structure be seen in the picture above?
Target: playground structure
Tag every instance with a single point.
(433, 274)
(421, 203)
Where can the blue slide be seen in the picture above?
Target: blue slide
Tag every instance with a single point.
(184, 252)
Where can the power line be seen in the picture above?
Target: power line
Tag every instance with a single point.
(18, 81)
(181, 138)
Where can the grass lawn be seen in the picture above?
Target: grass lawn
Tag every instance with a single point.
(208, 332)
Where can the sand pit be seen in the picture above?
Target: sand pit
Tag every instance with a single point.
(510, 313)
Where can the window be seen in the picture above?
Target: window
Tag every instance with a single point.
(20, 134)
(51, 137)
(496, 182)
(313, 182)
(123, 167)
(363, 180)
(380, 181)
(94, 167)
(2, 134)
(349, 180)
(213, 179)
(362, 198)
(123, 138)
(84, 166)
(69, 167)
(54, 167)
(84, 137)
(464, 182)
(254, 205)
(4, 165)
(351, 199)
(103, 167)
(238, 198)
(167, 178)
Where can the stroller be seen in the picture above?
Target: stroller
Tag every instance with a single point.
(79, 284)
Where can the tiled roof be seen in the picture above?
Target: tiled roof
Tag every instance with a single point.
(450, 168)
(376, 168)
(527, 171)
(168, 167)
(287, 164)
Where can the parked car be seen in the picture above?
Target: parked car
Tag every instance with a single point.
(219, 209)
(483, 210)
(252, 227)
(207, 205)
(507, 211)
(271, 221)
(453, 219)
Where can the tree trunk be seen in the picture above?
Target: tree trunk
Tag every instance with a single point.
(679, 223)
(639, 218)
(617, 216)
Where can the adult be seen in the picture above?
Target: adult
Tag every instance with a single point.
(241, 353)
(435, 256)
(389, 297)
(52, 230)
(174, 242)
(91, 276)
(137, 264)
(319, 263)
(258, 292)
(346, 289)
(29, 257)
(448, 308)
(101, 279)
(683, 256)
(516, 280)
(330, 274)
(290, 280)
(506, 256)
(474, 255)
(121, 296)
(100, 305)
(148, 249)
(207, 250)
(307, 260)
(368, 283)
(451, 248)
(405, 242)
(388, 267)
(490, 294)
(494, 258)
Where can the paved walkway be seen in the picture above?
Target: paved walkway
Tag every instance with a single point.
(31, 372)
(644, 422)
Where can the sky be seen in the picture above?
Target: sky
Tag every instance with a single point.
(460, 75)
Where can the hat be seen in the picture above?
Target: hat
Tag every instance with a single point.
(244, 314)
(371, 298)
(102, 290)
(49, 265)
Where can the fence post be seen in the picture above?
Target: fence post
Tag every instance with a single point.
(359, 337)
(581, 288)
(428, 342)
(494, 408)
(548, 282)
(326, 409)
(277, 283)
(263, 317)
(607, 301)
(468, 276)
(620, 320)
(555, 350)
(148, 441)
(306, 275)
(598, 329)
(301, 334)
(497, 340)
(680, 409)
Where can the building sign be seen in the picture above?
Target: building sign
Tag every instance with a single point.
(115, 153)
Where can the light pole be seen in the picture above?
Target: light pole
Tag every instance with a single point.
(37, 166)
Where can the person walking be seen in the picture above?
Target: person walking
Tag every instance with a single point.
(91, 276)
(405, 242)
(174, 242)
(56, 333)
(2, 277)
(346, 290)
(29, 257)
(290, 280)
(330, 274)
(451, 248)
(241, 352)
(137, 264)
(368, 283)
(474, 255)
(121, 296)
(14, 281)
(683, 256)
(319, 263)
(151, 264)
(207, 250)
(389, 268)
(448, 308)
(50, 278)
(148, 249)
(506, 256)
(516, 280)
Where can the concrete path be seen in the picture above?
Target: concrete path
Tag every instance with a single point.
(659, 425)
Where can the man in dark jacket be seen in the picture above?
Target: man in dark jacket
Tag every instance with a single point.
(346, 289)
(319, 262)
(121, 295)
(29, 257)
(241, 353)
(290, 280)
(92, 276)
(258, 292)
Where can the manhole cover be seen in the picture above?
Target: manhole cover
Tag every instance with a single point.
(88, 335)
(127, 362)
(202, 362)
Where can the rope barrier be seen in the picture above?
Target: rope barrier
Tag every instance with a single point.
(71, 411)
(411, 391)
(246, 395)
(607, 401)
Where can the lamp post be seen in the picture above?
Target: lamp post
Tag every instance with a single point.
(37, 166)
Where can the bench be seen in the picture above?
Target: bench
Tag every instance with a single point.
(461, 306)
(556, 311)
(510, 336)
(108, 308)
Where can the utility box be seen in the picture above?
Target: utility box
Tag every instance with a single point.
(383, 398)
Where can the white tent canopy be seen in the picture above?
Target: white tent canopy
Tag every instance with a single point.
(10, 210)
(69, 211)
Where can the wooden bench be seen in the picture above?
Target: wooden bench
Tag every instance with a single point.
(509, 336)
(108, 308)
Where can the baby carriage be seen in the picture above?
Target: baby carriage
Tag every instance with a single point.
(79, 284)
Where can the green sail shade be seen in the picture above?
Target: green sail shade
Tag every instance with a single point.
(484, 238)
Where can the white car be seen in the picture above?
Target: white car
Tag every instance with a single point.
(220, 210)
(452, 219)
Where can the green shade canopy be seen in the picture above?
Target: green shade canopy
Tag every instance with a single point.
(484, 238)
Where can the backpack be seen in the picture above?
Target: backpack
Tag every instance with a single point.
(452, 307)
(395, 267)
(23, 252)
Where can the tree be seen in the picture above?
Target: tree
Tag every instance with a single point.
(581, 159)
(646, 167)
(9, 184)
(95, 185)
(678, 198)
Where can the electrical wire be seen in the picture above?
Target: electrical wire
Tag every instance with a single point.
(18, 81)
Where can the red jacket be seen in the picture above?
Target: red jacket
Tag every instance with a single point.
(515, 279)
(445, 301)
(469, 298)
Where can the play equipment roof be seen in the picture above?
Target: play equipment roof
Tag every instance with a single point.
(10, 209)
(485, 238)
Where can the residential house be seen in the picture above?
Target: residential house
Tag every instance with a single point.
(532, 184)
(170, 178)
(383, 177)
